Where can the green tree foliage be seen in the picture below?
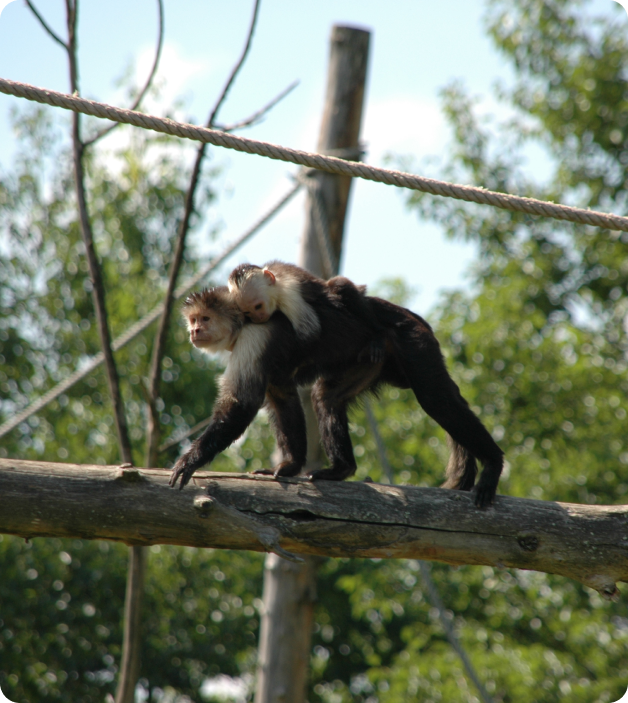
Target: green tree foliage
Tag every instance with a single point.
(61, 618)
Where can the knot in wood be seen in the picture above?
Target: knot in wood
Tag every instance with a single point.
(204, 505)
(128, 474)
(529, 543)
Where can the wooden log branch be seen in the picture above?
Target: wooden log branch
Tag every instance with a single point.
(588, 543)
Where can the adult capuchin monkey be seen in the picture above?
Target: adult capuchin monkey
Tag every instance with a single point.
(404, 352)
(275, 358)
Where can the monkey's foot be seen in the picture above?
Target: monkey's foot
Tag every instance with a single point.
(484, 492)
(288, 469)
(335, 473)
(483, 495)
(285, 470)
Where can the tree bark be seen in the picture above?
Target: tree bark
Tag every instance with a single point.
(587, 543)
(286, 629)
(132, 637)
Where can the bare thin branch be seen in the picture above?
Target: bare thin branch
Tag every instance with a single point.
(46, 26)
(236, 68)
(130, 654)
(154, 376)
(259, 114)
(149, 80)
(98, 287)
(171, 441)
(130, 661)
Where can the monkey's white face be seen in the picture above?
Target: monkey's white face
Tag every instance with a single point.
(256, 310)
(209, 330)
(256, 299)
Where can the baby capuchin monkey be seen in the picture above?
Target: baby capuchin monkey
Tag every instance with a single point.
(269, 364)
(260, 291)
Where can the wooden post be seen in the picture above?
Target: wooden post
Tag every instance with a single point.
(340, 135)
(289, 588)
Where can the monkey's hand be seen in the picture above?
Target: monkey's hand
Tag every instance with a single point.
(373, 352)
(182, 470)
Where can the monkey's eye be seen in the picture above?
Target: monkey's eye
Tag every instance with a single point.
(205, 318)
(259, 306)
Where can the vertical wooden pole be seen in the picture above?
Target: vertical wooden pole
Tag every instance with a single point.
(340, 135)
(289, 588)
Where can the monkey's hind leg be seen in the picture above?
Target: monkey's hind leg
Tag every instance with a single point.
(286, 414)
(441, 399)
(331, 410)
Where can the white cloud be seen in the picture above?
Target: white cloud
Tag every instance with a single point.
(176, 72)
(404, 125)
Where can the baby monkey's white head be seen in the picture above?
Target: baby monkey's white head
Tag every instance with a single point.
(255, 292)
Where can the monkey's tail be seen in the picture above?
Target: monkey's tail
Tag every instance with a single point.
(462, 468)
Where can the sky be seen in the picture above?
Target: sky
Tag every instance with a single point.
(417, 48)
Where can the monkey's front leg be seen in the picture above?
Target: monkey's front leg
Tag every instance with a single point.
(229, 420)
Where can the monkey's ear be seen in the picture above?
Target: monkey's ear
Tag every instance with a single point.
(270, 276)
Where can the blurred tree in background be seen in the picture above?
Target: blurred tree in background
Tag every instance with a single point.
(538, 346)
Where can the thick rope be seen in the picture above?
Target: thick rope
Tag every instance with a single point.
(145, 322)
(323, 163)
